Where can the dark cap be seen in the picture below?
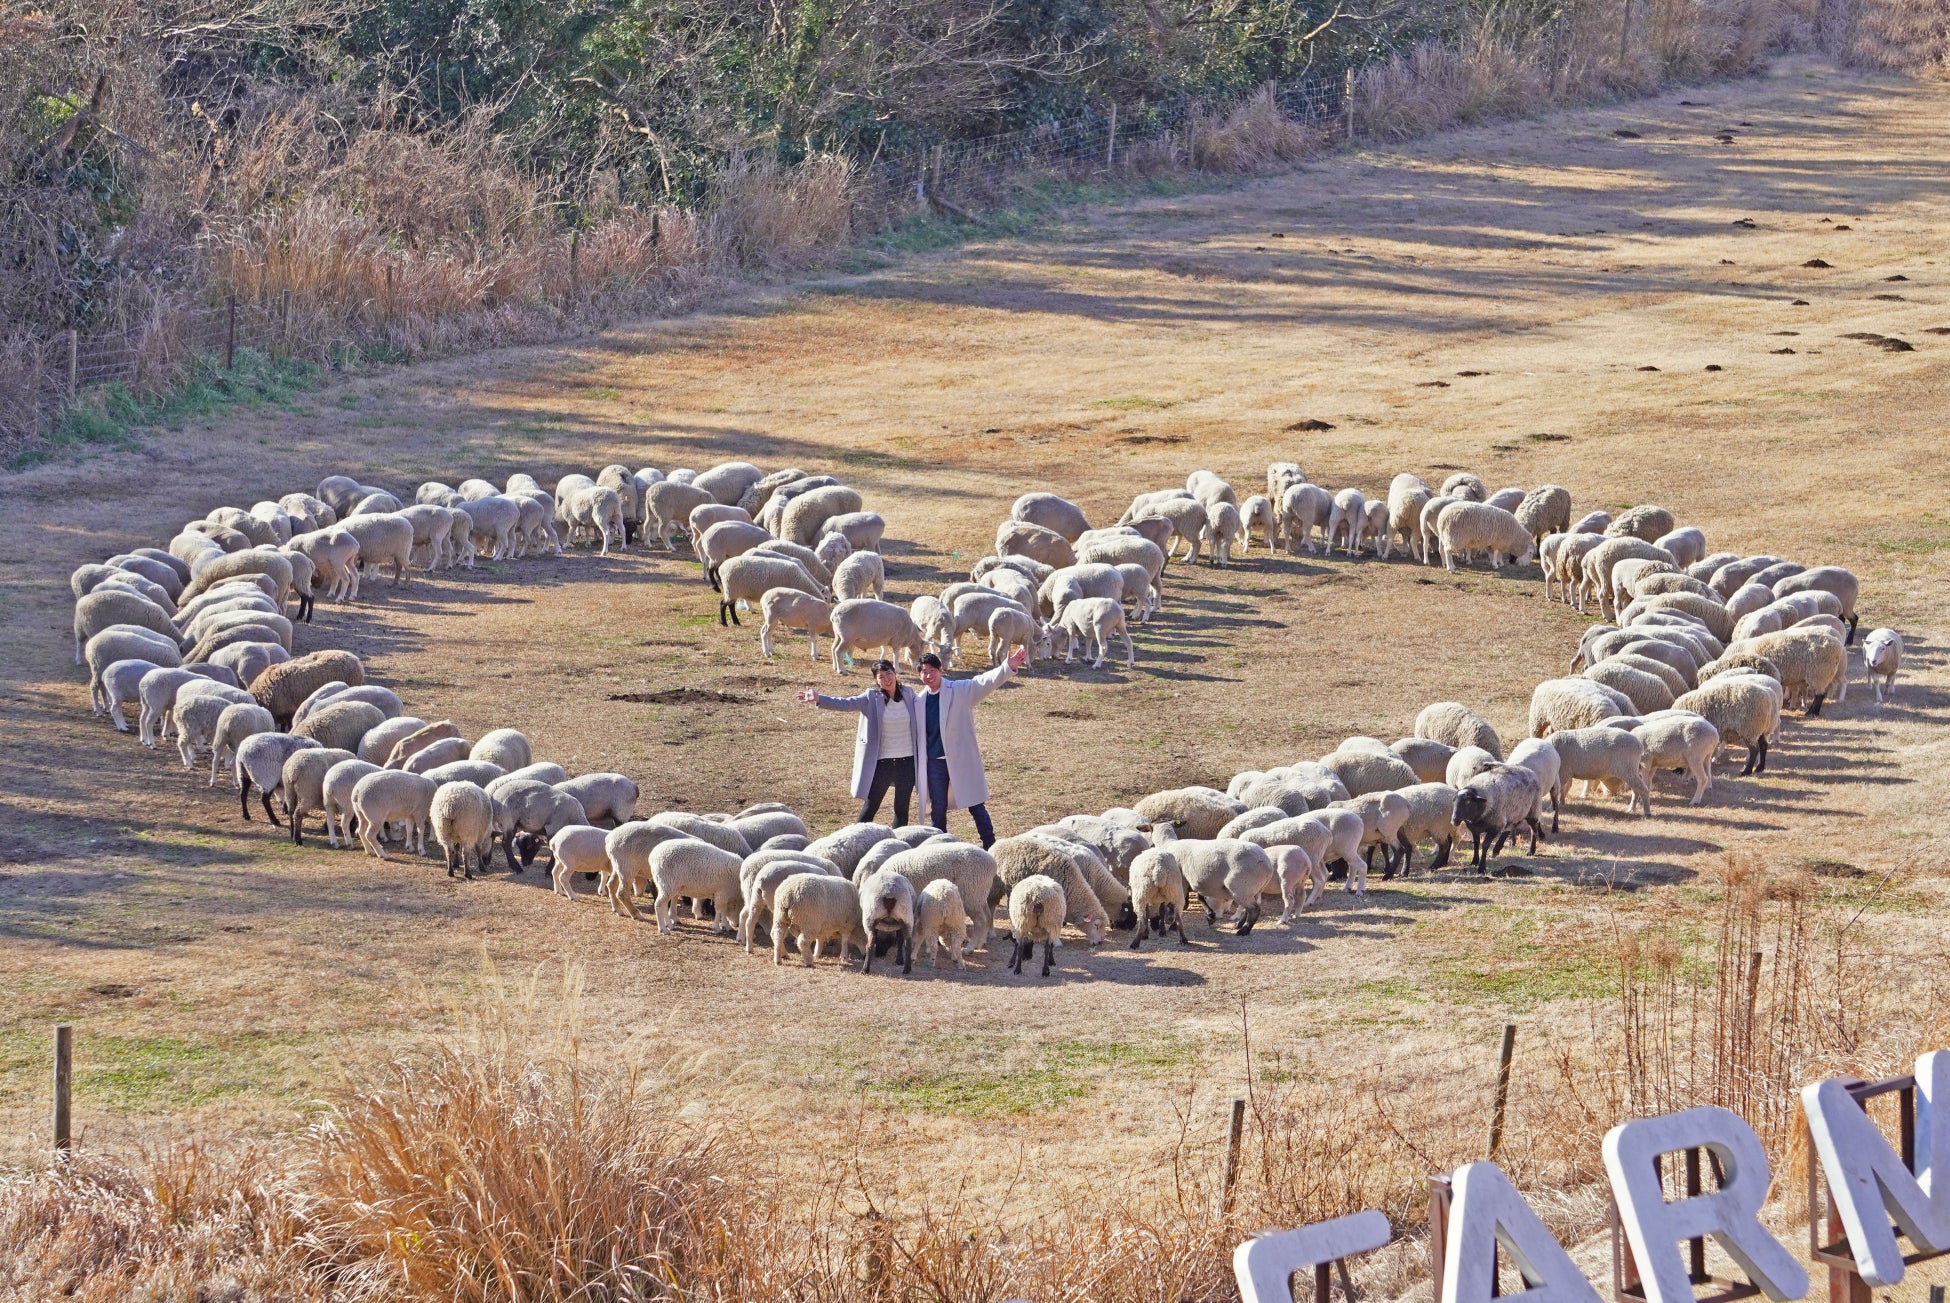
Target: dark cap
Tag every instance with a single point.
(929, 658)
(883, 665)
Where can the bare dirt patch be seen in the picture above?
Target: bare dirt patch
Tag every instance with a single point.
(1578, 287)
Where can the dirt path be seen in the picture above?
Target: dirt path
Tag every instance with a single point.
(1605, 300)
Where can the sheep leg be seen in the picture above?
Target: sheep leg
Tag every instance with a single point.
(1536, 828)
(244, 796)
(1245, 928)
(1015, 958)
(1815, 709)
(1049, 954)
(906, 950)
(1441, 858)
(297, 821)
(265, 798)
(1853, 620)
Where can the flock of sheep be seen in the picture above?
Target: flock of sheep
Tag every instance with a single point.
(1703, 651)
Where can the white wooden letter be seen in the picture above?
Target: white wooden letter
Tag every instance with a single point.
(1486, 1211)
(1730, 1214)
(1264, 1265)
(1867, 1179)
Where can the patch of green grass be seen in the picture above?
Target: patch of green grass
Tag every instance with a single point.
(147, 1073)
(1136, 403)
(1031, 202)
(109, 418)
(1934, 537)
(1054, 1073)
(877, 460)
(605, 393)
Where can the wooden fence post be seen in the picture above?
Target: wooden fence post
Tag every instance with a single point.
(230, 336)
(1110, 149)
(575, 253)
(74, 364)
(1502, 1086)
(63, 1085)
(1347, 104)
(1625, 31)
(284, 320)
(1232, 1156)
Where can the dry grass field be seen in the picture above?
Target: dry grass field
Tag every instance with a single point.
(1616, 300)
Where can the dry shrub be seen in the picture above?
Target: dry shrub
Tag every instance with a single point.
(1254, 136)
(777, 218)
(1910, 36)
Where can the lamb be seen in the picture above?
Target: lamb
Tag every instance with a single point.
(667, 508)
(845, 846)
(1540, 757)
(622, 481)
(121, 682)
(1456, 725)
(1036, 910)
(1426, 756)
(1544, 510)
(1477, 526)
(1812, 663)
(595, 514)
(239, 720)
(941, 923)
(887, 908)
(1142, 503)
(378, 743)
(1224, 527)
(806, 514)
(445, 751)
(1347, 521)
(195, 715)
(1646, 522)
(688, 867)
(1609, 755)
(1025, 856)
(820, 910)
(1138, 590)
(1561, 557)
(749, 577)
(1281, 476)
(334, 554)
(302, 785)
(603, 796)
(1407, 495)
(1431, 809)
(124, 643)
(1464, 487)
(1882, 656)
(575, 849)
(861, 574)
(1092, 621)
(383, 540)
(970, 868)
(1009, 629)
(1574, 703)
(282, 688)
(1679, 740)
(393, 796)
(1493, 806)
(1465, 764)
(1256, 512)
(1431, 515)
(759, 878)
(1195, 813)
(341, 724)
(157, 693)
(1303, 508)
(1374, 527)
(788, 608)
(867, 624)
(1158, 895)
(1362, 772)
(1686, 545)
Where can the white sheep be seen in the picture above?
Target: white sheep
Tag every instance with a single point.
(1092, 622)
(393, 796)
(260, 761)
(1574, 703)
(1479, 527)
(1678, 740)
(1882, 656)
(788, 608)
(867, 624)
(888, 904)
(1608, 755)
(237, 722)
(302, 785)
(1347, 522)
(1257, 512)
(749, 577)
(1036, 909)
(335, 792)
(1539, 755)
(603, 796)
(1229, 877)
(819, 909)
(506, 747)
(1493, 806)
(461, 817)
(1009, 629)
(1158, 895)
(1304, 509)
(1224, 528)
(194, 716)
(860, 574)
(941, 923)
(688, 867)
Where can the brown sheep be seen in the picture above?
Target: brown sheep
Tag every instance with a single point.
(282, 688)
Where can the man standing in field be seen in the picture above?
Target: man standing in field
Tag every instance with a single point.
(954, 757)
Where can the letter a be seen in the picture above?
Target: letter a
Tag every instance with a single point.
(1867, 1179)
(1487, 1211)
(1731, 1214)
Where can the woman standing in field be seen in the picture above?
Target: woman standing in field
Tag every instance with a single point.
(888, 740)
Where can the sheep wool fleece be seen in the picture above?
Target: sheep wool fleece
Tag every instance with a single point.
(967, 784)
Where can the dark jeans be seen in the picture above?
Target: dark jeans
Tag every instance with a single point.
(938, 803)
(897, 774)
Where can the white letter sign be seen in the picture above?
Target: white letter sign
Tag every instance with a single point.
(1486, 1211)
(1730, 1214)
(1264, 1265)
(1868, 1181)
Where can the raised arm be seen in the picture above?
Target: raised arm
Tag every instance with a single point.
(824, 702)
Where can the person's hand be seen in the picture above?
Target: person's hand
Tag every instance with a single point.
(808, 697)
(1019, 658)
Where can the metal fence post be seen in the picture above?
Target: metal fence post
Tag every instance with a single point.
(230, 336)
(74, 364)
(284, 313)
(575, 252)
(63, 1085)
(1347, 102)
(1110, 149)
(1232, 1156)
(1502, 1086)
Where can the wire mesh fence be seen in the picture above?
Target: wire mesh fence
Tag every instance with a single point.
(151, 351)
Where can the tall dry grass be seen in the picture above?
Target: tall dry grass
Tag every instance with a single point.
(1911, 36)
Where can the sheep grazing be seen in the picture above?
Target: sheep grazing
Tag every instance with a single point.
(1026, 856)
(1544, 510)
(749, 577)
(729, 481)
(392, 796)
(1158, 895)
(970, 868)
(887, 909)
(1194, 813)
(1058, 515)
(260, 761)
(818, 909)
(1304, 509)
(506, 747)
(1827, 579)
(1362, 772)
(788, 608)
(1479, 527)
(1574, 703)
(342, 724)
(1646, 691)
(805, 515)
(1744, 708)
(1464, 487)
(688, 867)
(1604, 755)
(1228, 877)
(1256, 512)
(1347, 521)
(941, 923)
(1456, 725)
(1812, 663)
(1036, 910)
(301, 785)
(281, 689)
(867, 624)
(1009, 629)
(1493, 806)
(461, 816)
(1678, 740)
(1092, 622)
(861, 574)
(725, 540)
(1882, 656)
(844, 846)
(240, 720)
